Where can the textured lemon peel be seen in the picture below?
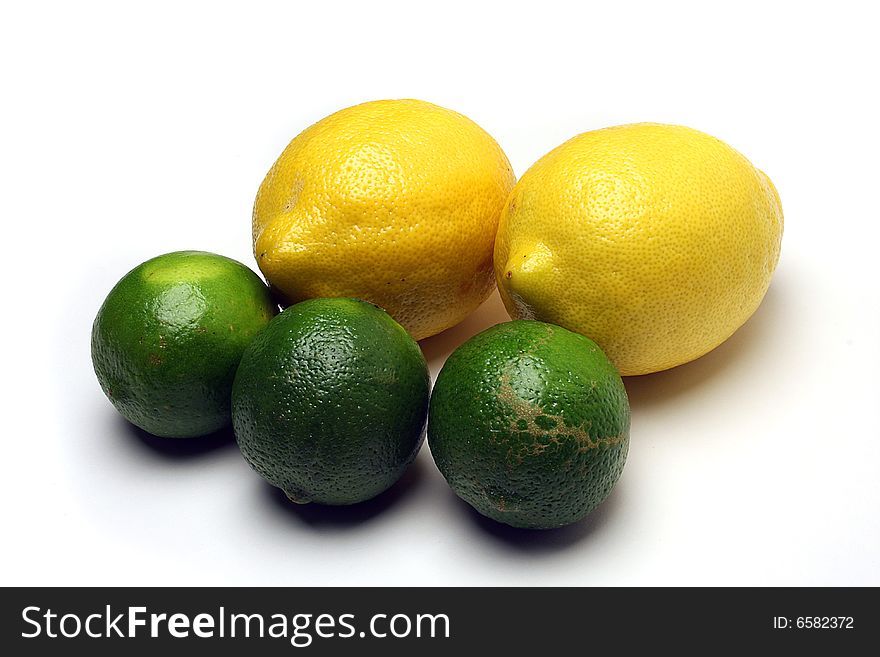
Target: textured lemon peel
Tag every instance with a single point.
(396, 202)
(630, 213)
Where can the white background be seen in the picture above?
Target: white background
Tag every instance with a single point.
(131, 132)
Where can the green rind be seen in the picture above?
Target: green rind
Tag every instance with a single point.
(330, 401)
(168, 338)
(529, 424)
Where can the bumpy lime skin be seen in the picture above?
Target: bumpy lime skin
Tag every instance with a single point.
(330, 401)
(529, 423)
(169, 336)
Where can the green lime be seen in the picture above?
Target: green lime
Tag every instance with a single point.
(330, 401)
(168, 339)
(529, 423)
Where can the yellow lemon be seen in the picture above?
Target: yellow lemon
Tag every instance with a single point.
(393, 201)
(655, 241)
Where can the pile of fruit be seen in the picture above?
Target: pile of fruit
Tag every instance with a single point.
(624, 251)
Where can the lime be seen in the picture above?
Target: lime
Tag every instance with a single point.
(330, 401)
(168, 339)
(529, 423)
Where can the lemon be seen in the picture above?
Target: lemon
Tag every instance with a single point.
(655, 241)
(393, 201)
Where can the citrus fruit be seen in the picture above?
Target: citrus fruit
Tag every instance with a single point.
(656, 241)
(529, 423)
(168, 338)
(392, 201)
(330, 401)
